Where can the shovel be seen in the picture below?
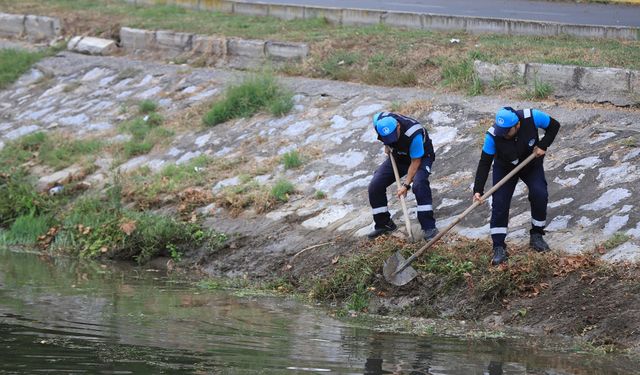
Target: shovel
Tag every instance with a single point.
(407, 223)
(396, 269)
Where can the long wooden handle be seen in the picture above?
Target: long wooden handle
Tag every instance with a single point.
(407, 222)
(466, 212)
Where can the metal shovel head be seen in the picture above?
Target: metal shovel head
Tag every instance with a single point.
(392, 265)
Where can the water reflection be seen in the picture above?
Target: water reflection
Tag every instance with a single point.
(62, 316)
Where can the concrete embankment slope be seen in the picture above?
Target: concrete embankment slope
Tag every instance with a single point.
(592, 167)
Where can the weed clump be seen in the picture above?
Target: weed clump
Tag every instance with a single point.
(249, 97)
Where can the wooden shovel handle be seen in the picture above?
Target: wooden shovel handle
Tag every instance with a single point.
(407, 222)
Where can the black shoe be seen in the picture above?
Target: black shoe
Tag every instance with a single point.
(499, 255)
(428, 234)
(538, 243)
(379, 231)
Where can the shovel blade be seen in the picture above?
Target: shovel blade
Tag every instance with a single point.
(391, 267)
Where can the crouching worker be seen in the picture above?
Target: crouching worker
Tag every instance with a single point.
(512, 138)
(413, 152)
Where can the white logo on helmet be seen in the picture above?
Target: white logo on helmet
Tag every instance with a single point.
(386, 130)
(500, 121)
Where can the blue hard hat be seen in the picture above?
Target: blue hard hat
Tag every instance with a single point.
(505, 120)
(386, 128)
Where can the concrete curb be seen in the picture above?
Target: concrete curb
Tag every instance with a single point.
(424, 21)
(618, 86)
(34, 28)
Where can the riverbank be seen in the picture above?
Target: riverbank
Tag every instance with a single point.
(288, 193)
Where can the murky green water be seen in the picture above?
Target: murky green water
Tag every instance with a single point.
(59, 316)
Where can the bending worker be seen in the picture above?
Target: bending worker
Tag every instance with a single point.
(512, 138)
(413, 152)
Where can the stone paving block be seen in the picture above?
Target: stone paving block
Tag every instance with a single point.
(41, 28)
(634, 81)
(604, 79)
(282, 51)
(92, 46)
(11, 25)
(137, 39)
(173, 41)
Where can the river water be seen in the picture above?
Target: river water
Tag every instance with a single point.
(62, 316)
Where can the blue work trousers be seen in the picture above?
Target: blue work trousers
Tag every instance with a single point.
(383, 177)
(533, 177)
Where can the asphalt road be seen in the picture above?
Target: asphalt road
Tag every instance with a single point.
(549, 11)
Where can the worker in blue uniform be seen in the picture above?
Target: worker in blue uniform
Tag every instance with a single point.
(413, 152)
(512, 138)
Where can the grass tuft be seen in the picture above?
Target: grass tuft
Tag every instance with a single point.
(14, 63)
(252, 95)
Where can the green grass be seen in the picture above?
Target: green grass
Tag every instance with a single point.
(145, 133)
(147, 106)
(14, 63)
(18, 197)
(616, 240)
(26, 229)
(252, 95)
(281, 190)
(539, 90)
(291, 159)
(56, 151)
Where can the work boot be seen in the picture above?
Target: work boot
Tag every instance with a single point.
(499, 255)
(379, 231)
(538, 243)
(428, 234)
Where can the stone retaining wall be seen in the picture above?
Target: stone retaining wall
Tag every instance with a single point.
(424, 21)
(238, 53)
(615, 85)
(35, 28)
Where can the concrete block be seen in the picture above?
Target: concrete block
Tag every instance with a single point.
(437, 22)
(624, 33)
(604, 79)
(216, 5)
(42, 28)
(361, 17)
(209, 45)
(560, 76)
(11, 25)
(406, 20)
(332, 15)
(136, 39)
(533, 28)
(634, 81)
(251, 9)
(583, 30)
(282, 51)
(246, 48)
(489, 72)
(92, 46)
(487, 25)
(173, 41)
(286, 12)
(189, 4)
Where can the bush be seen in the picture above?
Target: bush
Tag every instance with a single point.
(291, 160)
(252, 95)
(147, 106)
(19, 197)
